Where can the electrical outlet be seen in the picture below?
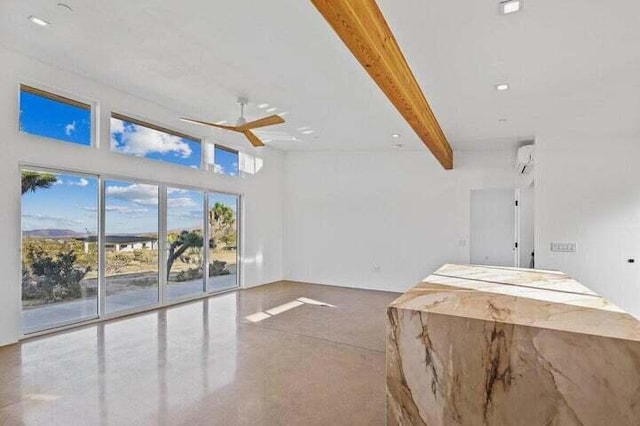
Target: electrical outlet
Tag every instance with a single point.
(563, 247)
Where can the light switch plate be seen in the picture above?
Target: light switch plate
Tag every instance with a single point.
(563, 247)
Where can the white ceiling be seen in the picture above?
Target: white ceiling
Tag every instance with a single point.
(573, 65)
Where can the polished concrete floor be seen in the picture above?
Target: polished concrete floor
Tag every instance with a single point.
(205, 363)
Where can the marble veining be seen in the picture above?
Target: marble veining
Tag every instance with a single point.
(476, 345)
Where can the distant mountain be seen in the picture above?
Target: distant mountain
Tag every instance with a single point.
(52, 233)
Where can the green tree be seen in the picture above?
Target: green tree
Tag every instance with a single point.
(31, 181)
(222, 222)
(184, 241)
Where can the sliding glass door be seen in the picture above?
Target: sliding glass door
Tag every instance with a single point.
(131, 245)
(223, 241)
(185, 243)
(59, 248)
(95, 247)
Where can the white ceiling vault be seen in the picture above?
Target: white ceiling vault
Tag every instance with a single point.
(572, 65)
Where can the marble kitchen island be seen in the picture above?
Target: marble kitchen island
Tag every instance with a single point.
(481, 345)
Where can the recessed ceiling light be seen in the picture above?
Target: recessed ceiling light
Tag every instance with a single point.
(502, 87)
(395, 135)
(397, 145)
(304, 128)
(502, 120)
(510, 6)
(38, 21)
(307, 132)
(262, 106)
(271, 109)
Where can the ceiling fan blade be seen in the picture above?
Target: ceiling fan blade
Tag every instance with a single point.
(206, 123)
(255, 141)
(262, 122)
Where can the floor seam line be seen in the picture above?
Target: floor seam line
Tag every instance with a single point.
(2, 407)
(315, 338)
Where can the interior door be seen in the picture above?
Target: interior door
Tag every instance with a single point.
(493, 227)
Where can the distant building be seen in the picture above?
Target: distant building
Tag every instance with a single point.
(122, 243)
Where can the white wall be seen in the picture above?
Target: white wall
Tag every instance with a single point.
(587, 192)
(350, 213)
(263, 192)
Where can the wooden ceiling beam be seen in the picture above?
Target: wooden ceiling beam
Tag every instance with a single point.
(362, 27)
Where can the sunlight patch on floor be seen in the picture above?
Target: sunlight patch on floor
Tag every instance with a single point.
(263, 315)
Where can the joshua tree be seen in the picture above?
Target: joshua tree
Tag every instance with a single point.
(31, 181)
(222, 223)
(184, 241)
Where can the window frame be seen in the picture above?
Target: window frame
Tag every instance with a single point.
(63, 97)
(99, 214)
(163, 300)
(212, 165)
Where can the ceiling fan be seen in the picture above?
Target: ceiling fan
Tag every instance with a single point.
(241, 125)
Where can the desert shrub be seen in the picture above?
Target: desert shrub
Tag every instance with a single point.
(193, 256)
(188, 275)
(218, 267)
(89, 259)
(56, 278)
(138, 255)
(29, 290)
(229, 239)
(146, 257)
(116, 262)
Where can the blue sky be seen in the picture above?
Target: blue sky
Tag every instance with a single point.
(225, 162)
(130, 207)
(71, 203)
(44, 117)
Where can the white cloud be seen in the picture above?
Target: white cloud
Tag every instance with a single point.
(119, 209)
(70, 128)
(43, 221)
(176, 191)
(117, 126)
(181, 202)
(79, 182)
(146, 195)
(193, 214)
(140, 140)
(217, 168)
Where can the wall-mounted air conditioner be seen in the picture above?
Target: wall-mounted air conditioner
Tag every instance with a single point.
(525, 159)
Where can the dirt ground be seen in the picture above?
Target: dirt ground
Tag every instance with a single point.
(125, 281)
